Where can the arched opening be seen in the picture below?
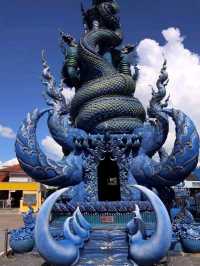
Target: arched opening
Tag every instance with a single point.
(108, 180)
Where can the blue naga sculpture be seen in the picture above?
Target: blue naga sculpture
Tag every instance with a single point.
(186, 230)
(22, 240)
(105, 131)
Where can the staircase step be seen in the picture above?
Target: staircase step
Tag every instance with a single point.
(98, 259)
(107, 246)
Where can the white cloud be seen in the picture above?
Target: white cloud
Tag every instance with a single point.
(11, 162)
(52, 149)
(7, 132)
(183, 67)
(68, 94)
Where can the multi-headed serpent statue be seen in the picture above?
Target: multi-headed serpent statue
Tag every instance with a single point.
(104, 132)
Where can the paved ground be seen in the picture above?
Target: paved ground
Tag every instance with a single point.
(19, 260)
(14, 220)
(8, 220)
(35, 260)
(184, 260)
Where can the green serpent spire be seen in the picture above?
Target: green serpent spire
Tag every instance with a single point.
(100, 71)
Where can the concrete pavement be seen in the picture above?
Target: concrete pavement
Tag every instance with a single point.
(8, 220)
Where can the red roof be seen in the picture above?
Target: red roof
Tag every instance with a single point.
(12, 168)
(4, 176)
(5, 172)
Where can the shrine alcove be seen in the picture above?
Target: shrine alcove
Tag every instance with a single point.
(108, 180)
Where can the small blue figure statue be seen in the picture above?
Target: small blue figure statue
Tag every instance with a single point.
(185, 228)
(22, 240)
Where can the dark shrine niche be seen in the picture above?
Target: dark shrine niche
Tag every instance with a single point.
(108, 180)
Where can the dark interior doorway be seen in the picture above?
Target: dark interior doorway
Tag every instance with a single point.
(108, 180)
(15, 198)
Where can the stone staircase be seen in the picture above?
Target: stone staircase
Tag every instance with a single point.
(107, 246)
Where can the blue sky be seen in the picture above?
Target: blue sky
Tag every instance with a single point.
(26, 27)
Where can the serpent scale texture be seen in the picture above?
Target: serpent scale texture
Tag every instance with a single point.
(105, 99)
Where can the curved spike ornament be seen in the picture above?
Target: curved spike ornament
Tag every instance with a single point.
(81, 220)
(147, 252)
(78, 229)
(136, 224)
(64, 253)
(77, 240)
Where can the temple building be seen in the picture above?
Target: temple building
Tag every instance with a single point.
(18, 190)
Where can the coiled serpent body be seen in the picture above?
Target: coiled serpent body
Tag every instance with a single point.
(105, 99)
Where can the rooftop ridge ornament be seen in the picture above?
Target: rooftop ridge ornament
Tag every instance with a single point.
(159, 95)
(53, 95)
(105, 124)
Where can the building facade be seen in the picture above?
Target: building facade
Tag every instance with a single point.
(18, 190)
